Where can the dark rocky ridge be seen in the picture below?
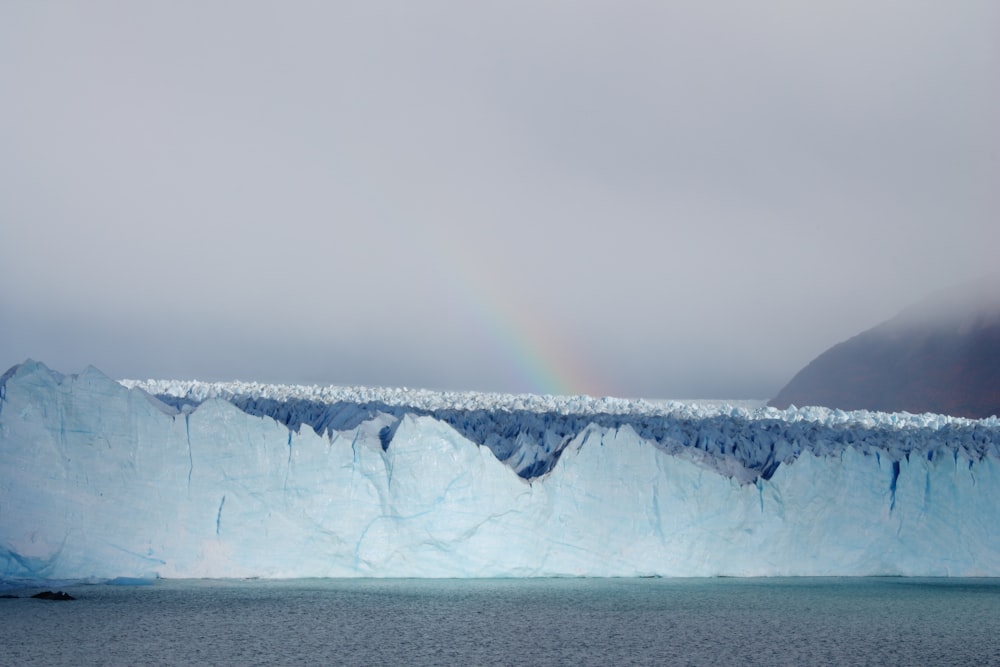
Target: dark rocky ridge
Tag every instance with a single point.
(59, 596)
(940, 355)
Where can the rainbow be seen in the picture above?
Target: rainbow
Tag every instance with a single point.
(541, 357)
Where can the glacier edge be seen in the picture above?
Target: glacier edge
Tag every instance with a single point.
(100, 480)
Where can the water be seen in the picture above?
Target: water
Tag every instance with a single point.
(512, 622)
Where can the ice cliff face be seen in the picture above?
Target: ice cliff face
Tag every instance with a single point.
(102, 480)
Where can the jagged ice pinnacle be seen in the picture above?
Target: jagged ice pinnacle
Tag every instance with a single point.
(104, 479)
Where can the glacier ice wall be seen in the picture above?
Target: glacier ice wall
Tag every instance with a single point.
(101, 480)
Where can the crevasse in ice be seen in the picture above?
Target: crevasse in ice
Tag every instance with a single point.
(139, 479)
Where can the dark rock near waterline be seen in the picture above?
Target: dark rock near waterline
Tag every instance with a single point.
(49, 595)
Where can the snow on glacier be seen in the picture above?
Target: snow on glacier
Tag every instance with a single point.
(101, 479)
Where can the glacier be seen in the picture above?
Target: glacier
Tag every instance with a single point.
(103, 479)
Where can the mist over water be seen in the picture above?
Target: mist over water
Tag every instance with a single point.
(641, 199)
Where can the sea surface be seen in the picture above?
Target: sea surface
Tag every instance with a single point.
(799, 621)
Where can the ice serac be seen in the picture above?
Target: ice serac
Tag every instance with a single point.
(100, 480)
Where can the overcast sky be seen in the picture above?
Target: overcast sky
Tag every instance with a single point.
(660, 199)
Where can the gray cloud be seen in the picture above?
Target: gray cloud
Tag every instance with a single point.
(660, 199)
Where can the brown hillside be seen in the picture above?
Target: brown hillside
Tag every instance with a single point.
(941, 355)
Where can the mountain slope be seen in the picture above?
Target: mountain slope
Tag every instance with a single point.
(941, 355)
